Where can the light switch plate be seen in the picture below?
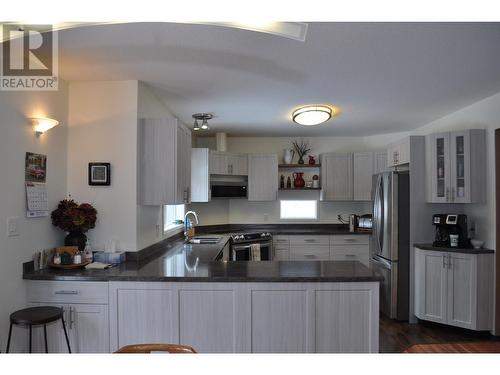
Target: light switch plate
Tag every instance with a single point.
(12, 226)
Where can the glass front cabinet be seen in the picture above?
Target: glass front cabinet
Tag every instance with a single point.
(456, 166)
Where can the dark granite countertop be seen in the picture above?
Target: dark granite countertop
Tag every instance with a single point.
(427, 246)
(187, 262)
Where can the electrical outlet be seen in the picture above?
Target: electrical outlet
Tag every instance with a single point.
(12, 226)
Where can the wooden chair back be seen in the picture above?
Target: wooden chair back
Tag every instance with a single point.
(149, 348)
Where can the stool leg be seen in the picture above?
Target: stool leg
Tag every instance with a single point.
(45, 337)
(30, 336)
(8, 340)
(66, 334)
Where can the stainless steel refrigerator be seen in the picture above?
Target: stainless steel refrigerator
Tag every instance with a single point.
(390, 248)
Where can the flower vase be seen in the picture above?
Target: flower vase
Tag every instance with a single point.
(76, 238)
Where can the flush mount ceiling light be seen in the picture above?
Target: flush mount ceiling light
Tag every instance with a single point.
(203, 117)
(312, 115)
(42, 124)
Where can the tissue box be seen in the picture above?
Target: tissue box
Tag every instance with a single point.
(112, 258)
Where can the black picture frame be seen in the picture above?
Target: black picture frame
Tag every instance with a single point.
(99, 174)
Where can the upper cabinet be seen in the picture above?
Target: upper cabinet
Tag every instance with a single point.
(364, 167)
(380, 159)
(262, 177)
(456, 166)
(164, 153)
(398, 153)
(200, 175)
(337, 176)
(228, 163)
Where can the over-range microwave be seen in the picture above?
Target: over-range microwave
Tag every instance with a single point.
(229, 189)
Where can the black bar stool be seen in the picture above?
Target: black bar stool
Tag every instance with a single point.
(35, 316)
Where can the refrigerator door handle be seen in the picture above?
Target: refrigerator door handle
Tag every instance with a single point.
(379, 219)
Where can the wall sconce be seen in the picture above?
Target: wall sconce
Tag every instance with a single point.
(41, 124)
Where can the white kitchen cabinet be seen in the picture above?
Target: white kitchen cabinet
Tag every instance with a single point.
(398, 153)
(238, 164)
(200, 175)
(142, 313)
(350, 247)
(89, 328)
(310, 252)
(380, 158)
(262, 177)
(164, 154)
(85, 308)
(337, 176)
(218, 162)
(364, 167)
(454, 288)
(228, 163)
(431, 285)
(456, 166)
(248, 317)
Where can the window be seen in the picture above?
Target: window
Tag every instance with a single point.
(299, 210)
(171, 213)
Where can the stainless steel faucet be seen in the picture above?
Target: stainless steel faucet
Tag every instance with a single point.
(195, 215)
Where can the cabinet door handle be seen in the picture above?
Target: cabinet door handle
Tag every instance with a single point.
(71, 317)
(449, 260)
(350, 255)
(281, 241)
(349, 240)
(453, 194)
(309, 256)
(444, 260)
(447, 194)
(66, 292)
(309, 240)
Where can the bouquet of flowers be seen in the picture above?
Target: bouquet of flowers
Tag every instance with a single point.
(73, 217)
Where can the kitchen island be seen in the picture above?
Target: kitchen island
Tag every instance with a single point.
(183, 296)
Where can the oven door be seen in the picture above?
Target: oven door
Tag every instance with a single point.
(243, 251)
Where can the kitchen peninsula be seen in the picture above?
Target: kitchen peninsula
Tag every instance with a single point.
(181, 294)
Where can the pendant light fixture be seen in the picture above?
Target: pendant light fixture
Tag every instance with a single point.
(203, 117)
(312, 115)
(195, 125)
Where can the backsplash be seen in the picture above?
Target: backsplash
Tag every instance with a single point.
(241, 211)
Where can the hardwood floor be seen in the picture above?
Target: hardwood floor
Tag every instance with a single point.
(395, 337)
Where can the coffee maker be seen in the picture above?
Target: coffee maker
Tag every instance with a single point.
(450, 224)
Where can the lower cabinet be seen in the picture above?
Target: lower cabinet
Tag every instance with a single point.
(87, 326)
(85, 306)
(247, 317)
(454, 288)
(339, 247)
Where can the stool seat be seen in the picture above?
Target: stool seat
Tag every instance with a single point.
(36, 315)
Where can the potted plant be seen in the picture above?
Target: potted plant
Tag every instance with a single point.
(301, 149)
(76, 219)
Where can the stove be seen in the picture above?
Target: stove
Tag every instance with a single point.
(256, 246)
(251, 237)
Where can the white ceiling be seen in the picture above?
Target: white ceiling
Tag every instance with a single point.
(385, 77)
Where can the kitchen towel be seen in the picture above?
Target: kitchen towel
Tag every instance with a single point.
(255, 251)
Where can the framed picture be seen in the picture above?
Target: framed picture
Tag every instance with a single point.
(99, 174)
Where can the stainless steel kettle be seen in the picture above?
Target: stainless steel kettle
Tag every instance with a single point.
(353, 222)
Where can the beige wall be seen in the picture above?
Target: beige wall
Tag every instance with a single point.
(103, 127)
(16, 138)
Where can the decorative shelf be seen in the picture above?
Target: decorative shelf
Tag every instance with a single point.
(304, 188)
(299, 165)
